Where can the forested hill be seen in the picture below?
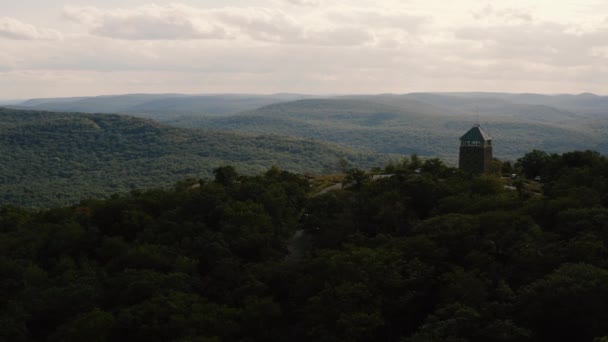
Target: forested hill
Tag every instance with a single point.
(428, 124)
(417, 257)
(394, 124)
(160, 106)
(58, 158)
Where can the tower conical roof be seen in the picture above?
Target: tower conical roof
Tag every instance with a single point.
(476, 134)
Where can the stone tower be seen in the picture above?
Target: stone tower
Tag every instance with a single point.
(475, 151)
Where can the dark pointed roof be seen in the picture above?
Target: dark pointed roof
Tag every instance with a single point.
(476, 134)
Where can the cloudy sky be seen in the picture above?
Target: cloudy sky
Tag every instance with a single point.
(52, 48)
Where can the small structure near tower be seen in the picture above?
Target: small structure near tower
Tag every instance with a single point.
(475, 151)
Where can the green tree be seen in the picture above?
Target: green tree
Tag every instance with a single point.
(225, 175)
(567, 304)
(96, 326)
(355, 178)
(533, 163)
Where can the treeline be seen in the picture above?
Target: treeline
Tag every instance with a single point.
(429, 254)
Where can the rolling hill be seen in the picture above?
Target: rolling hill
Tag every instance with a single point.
(159, 106)
(498, 105)
(58, 158)
(425, 123)
(162, 107)
(581, 105)
(364, 123)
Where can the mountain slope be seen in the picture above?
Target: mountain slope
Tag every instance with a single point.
(496, 104)
(582, 105)
(539, 107)
(390, 129)
(58, 158)
(425, 123)
(160, 107)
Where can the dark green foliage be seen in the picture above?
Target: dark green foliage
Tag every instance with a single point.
(50, 159)
(430, 256)
(534, 163)
(155, 265)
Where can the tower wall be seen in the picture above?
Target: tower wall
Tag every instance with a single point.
(475, 159)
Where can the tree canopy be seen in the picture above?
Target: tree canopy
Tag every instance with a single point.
(437, 255)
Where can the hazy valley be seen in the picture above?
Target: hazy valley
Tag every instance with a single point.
(428, 124)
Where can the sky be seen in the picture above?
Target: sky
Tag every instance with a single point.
(59, 48)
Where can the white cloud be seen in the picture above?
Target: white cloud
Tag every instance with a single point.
(11, 28)
(182, 22)
(345, 36)
(276, 26)
(544, 42)
(259, 23)
(7, 62)
(310, 46)
(310, 3)
(396, 19)
(85, 14)
(151, 22)
(508, 15)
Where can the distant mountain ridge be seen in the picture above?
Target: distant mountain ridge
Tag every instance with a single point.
(423, 123)
(155, 105)
(387, 128)
(584, 104)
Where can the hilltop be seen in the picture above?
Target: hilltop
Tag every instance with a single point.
(424, 123)
(159, 106)
(389, 124)
(427, 124)
(58, 158)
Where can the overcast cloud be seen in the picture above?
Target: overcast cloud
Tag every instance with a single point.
(11, 28)
(89, 47)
